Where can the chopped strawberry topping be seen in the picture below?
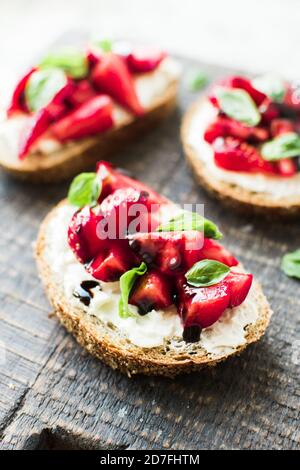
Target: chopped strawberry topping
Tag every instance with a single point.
(111, 75)
(153, 290)
(224, 127)
(235, 155)
(145, 59)
(204, 306)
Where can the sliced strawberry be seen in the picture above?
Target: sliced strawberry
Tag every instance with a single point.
(112, 179)
(124, 208)
(287, 167)
(17, 102)
(204, 306)
(213, 250)
(224, 127)
(111, 75)
(234, 155)
(92, 117)
(83, 92)
(292, 97)
(201, 306)
(110, 265)
(270, 112)
(34, 128)
(239, 285)
(145, 59)
(152, 291)
(83, 235)
(281, 126)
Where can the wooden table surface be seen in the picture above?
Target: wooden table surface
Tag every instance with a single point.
(54, 395)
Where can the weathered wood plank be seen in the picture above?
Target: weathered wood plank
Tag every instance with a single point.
(49, 383)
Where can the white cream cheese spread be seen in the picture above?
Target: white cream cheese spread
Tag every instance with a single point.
(145, 331)
(277, 187)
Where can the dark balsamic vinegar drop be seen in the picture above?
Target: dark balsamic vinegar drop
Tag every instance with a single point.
(83, 292)
(191, 334)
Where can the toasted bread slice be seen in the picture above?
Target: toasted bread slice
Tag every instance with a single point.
(81, 155)
(232, 195)
(110, 344)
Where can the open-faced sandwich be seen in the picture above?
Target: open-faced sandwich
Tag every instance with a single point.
(78, 104)
(143, 284)
(243, 143)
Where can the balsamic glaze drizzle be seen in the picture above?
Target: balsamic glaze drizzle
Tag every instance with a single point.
(191, 334)
(84, 291)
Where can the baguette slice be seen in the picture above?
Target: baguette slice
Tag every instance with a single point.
(110, 345)
(233, 195)
(82, 155)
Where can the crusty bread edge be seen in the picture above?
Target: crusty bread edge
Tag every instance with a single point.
(82, 155)
(231, 195)
(136, 360)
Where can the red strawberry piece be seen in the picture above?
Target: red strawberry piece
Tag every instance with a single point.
(83, 91)
(213, 250)
(109, 265)
(239, 285)
(153, 290)
(112, 180)
(111, 75)
(292, 97)
(17, 102)
(83, 235)
(287, 167)
(35, 127)
(92, 117)
(270, 112)
(245, 84)
(170, 252)
(224, 127)
(93, 56)
(234, 155)
(162, 250)
(126, 207)
(201, 306)
(281, 126)
(145, 59)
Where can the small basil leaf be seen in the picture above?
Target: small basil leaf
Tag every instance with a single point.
(85, 190)
(127, 281)
(197, 80)
(42, 86)
(206, 273)
(284, 146)
(272, 86)
(238, 105)
(73, 61)
(290, 264)
(191, 221)
(105, 44)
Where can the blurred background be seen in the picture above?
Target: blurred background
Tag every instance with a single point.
(260, 35)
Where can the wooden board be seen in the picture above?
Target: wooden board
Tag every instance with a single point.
(53, 395)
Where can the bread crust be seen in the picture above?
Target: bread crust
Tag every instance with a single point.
(113, 349)
(232, 195)
(83, 154)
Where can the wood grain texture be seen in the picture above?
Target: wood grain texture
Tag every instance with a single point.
(53, 395)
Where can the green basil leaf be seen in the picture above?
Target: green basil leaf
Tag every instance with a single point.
(197, 80)
(238, 105)
(72, 60)
(284, 146)
(272, 86)
(127, 281)
(206, 273)
(290, 264)
(85, 190)
(42, 86)
(191, 221)
(105, 44)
